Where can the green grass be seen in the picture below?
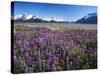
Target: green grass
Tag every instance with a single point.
(63, 27)
(20, 27)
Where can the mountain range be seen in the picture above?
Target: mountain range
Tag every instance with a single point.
(90, 18)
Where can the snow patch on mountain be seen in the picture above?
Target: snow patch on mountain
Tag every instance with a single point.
(28, 17)
(90, 15)
(17, 17)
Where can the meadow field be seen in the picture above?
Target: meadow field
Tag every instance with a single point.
(45, 48)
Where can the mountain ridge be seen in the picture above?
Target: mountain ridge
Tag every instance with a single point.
(90, 18)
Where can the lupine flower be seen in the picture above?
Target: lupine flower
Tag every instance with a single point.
(67, 52)
(26, 70)
(48, 65)
(42, 42)
(40, 45)
(53, 68)
(30, 70)
(78, 60)
(40, 63)
(67, 59)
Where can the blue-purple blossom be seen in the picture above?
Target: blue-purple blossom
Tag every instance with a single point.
(42, 49)
(40, 64)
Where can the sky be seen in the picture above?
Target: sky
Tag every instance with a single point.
(62, 11)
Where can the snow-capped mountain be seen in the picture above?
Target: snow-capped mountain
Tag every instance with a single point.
(31, 18)
(24, 17)
(88, 19)
(52, 18)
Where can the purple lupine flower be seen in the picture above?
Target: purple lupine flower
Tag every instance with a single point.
(67, 52)
(14, 57)
(26, 70)
(29, 61)
(27, 54)
(42, 42)
(26, 48)
(30, 70)
(26, 43)
(23, 64)
(32, 43)
(19, 42)
(78, 60)
(53, 67)
(22, 50)
(32, 66)
(45, 53)
(48, 65)
(40, 63)
(52, 45)
(67, 59)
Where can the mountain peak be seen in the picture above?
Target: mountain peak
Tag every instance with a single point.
(24, 16)
(27, 16)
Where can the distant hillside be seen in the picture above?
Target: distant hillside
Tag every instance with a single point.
(88, 19)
